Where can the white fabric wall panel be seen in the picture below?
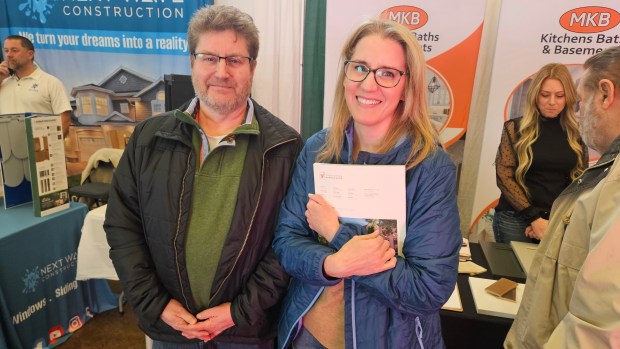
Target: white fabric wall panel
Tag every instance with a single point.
(277, 81)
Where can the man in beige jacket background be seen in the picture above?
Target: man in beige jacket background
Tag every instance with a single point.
(580, 220)
(593, 318)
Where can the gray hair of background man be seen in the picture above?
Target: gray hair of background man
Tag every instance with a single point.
(603, 65)
(221, 18)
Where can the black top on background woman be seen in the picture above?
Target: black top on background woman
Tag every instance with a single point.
(539, 154)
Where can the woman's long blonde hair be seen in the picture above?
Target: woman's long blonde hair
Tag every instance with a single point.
(411, 115)
(529, 129)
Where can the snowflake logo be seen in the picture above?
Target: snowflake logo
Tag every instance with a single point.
(36, 9)
(31, 280)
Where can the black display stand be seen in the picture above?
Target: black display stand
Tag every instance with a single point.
(178, 90)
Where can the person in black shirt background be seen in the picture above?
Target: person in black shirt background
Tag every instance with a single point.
(539, 155)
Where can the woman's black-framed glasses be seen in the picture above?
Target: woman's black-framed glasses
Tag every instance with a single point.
(385, 77)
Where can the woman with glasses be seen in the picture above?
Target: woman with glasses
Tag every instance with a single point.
(350, 289)
(539, 155)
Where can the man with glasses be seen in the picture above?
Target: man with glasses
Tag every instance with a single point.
(191, 215)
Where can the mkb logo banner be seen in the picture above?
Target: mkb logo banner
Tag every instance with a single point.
(531, 34)
(449, 33)
(592, 19)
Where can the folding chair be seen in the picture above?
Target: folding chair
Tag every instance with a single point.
(97, 178)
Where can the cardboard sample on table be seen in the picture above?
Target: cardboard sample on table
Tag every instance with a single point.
(503, 288)
(471, 268)
(489, 304)
(454, 302)
(465, 251)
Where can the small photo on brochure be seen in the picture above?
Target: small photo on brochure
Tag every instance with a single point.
(387, 228)
(55, 199)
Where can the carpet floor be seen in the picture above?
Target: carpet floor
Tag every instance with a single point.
(109, 329)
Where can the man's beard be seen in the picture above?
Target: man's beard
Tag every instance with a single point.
(586, 129)
(14, 65)
(225, 107)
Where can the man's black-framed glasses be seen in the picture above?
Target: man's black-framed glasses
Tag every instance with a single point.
(385, 77)
(231, 61)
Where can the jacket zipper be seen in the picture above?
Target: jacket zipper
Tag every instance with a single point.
(260, 193)
(353, 327)
(176, 253)
(418, 331)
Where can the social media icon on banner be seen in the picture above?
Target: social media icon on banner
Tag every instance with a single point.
(55, 333)
(39, 343)
(75, 324)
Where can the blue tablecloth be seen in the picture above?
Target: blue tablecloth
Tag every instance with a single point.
(41, 303)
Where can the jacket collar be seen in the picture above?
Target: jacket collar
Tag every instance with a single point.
(195, 104)
(35, 75)
(611, 152)
(397, 156)
(272, 130)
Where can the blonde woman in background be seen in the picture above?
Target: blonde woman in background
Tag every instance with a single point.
(349, 288)
(540, 154)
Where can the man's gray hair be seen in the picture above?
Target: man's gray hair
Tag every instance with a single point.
(221, 18)
(603, 65)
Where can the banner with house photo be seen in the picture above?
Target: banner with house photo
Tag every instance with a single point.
(531, 34)
(111, 56)
(449, 33)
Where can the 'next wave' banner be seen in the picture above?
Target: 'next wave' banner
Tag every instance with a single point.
(566, 31)
(449, 33)
(84, 42)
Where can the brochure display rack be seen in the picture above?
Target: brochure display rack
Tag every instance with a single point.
(33, 162)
